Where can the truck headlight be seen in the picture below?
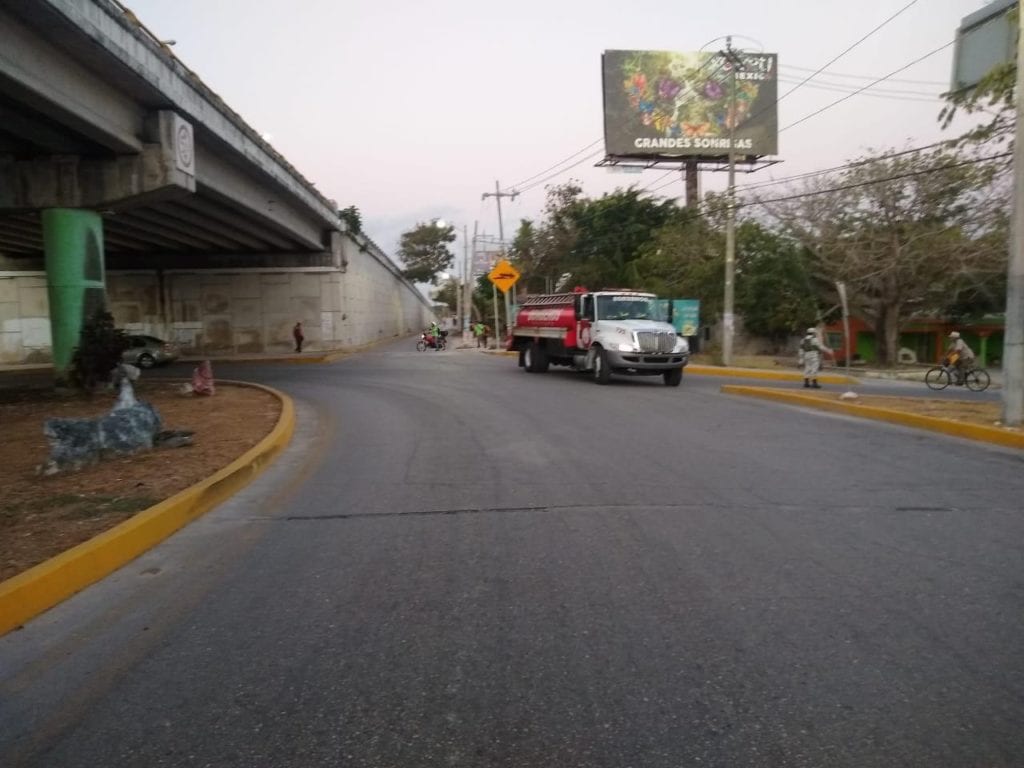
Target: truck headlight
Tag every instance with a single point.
(627, 347)
(682, 345)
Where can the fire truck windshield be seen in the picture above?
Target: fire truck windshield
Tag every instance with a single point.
(626, 308)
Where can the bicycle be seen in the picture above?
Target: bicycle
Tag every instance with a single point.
(942, 376)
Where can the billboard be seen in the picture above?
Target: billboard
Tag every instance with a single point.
(685, 315)
(662, 104)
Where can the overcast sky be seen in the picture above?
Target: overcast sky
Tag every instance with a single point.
(410, 111)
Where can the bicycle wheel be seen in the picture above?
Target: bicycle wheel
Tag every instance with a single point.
(937, 378)
(978, 380)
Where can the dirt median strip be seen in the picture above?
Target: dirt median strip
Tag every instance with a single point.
(988, 434)
(45, 585)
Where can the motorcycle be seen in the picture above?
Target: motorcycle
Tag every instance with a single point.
(429, 341)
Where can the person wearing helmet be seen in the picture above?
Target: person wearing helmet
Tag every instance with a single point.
(959, 356)
(811, 349)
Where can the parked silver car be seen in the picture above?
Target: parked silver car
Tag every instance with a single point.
(148, 351)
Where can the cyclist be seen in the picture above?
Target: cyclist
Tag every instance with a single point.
(959, 356)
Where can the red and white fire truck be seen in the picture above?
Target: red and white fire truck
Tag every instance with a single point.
(602, 332)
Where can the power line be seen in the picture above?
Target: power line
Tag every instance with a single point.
(870, 182)
(836, 58)
(888, 93)
(555, 175)
(869, 77)
(864, 88)
(816, 72)
(560, 162)
(833, 169)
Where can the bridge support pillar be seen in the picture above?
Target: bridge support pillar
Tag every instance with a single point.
(73, 245)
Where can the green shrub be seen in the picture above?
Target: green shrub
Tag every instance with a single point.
(98, 353)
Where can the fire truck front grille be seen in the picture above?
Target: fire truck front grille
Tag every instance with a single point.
(656, 341)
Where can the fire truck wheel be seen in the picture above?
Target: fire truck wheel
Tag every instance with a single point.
(602, 373)
(535, 359)
(674, 377)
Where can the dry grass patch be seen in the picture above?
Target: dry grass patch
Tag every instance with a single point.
(985, 413)
(43, 516)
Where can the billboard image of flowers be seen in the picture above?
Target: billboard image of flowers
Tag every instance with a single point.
(659, 103)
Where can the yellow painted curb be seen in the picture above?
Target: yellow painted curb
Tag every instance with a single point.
(945, 426)
(43, 586)
(757, 373)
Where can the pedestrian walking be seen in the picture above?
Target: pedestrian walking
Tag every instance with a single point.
(298, 336)
(478, 333)
(811, 350)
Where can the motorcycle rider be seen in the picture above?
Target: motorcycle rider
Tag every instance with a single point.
(435, 331)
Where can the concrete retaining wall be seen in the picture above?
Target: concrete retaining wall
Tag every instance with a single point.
(213, 311)
(24, 318)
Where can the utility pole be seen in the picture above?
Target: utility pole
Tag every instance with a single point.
(466, 292)
(730, 220)
(1013, 338)
(498, 194)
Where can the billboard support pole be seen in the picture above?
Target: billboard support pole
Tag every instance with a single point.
(690, 180)
(730, 220)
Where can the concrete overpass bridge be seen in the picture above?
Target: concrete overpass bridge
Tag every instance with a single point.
(112, 151)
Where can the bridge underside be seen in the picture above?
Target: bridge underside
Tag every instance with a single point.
(95, 114)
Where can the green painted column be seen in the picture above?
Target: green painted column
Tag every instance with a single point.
(983, 352)
(75, 283)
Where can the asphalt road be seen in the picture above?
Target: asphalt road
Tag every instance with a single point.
(460, 564)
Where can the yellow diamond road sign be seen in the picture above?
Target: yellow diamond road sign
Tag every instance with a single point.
(504, 275)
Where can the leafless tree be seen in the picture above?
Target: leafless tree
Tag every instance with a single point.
(903, 230)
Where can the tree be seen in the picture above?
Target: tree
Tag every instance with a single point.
(352, 218)
(543, 252)
(448, 294)
(99, 350)
(591, 242)
(900, 231)
(686, 258)
(774, 290)
(424, 251)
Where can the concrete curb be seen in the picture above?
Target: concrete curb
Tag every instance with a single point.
(978, 432)
(738, 373)
(325, 357)
(43, 586)
(757, 373)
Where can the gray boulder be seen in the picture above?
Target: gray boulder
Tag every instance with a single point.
(131, 426)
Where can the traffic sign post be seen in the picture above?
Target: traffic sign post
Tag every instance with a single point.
(503, 276)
